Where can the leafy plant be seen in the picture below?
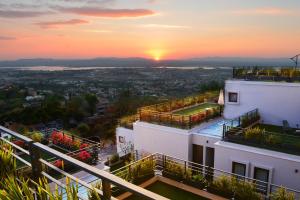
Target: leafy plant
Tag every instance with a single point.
(223, 186)
(37, 137)
(114, 158)
(244, 190)
(254, 133)
(282, 194)
(93, 194)
(273, 139)
(7, 161)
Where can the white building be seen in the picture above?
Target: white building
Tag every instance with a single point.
(205, 144)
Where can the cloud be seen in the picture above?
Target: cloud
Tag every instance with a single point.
(20, 13)
(7, 38)
(57, 24)
(263, 11)
(99, 31)
(108, 12)
(165, 26)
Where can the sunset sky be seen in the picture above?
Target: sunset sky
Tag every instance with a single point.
(158, 29)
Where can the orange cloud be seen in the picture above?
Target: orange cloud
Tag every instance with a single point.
(56, 24)
(263, 11)
(107, 12)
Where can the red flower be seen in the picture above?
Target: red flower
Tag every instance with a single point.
(84, 156)
(20, 143)
(83, 145)
(58, 163)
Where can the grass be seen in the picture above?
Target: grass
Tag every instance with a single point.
(169, 192)
(270, 128)
(195, 109)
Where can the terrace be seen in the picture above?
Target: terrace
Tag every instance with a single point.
(267, 74)
(277, 138)
(179, 179)
(183, 113)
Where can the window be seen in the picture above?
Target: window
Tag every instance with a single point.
(261, 175)
(121, 139)
(233, 97)
(239, 168)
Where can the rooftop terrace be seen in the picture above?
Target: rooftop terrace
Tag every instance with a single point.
(266, 74)
(182, 113)
(277, 138)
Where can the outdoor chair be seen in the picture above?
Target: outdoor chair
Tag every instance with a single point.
(286, 127)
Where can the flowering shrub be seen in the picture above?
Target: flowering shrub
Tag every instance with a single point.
(59, 164)
(84, 156)
(83, 145)
(20, 143)
(56, 137)
(65, 141)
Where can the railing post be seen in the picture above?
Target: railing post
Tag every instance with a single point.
(224, 127)
(36, 165)
(106, 188)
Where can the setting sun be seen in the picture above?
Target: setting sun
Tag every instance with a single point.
(156, 54)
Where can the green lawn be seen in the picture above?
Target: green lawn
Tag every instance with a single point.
(270, 128)
(169, 192)
(196, 109)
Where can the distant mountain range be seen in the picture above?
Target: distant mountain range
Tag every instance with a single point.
(142, 62)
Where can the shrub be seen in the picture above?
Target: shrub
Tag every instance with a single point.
(282, 194)
(83, 146)
(114, 158)
(7, 161)
(174, 168)
(222, 186)
(37, 137)
(59, 164)
(254, 133)
(273, 139)
(245, 190)
(84, 156)
(199, 179)
(93, 194)
(20, 143)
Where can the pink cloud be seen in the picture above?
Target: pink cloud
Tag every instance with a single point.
(107, 12)
(57, 24)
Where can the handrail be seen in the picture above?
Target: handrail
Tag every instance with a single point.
(17, 135)
(160, 159)
(107, 178)
(100, 173)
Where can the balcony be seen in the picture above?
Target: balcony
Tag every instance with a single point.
(265, 136)
(267, 74)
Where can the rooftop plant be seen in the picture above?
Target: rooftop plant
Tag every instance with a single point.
(282, 194)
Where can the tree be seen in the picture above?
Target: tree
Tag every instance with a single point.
(92, 101)
(83, 129)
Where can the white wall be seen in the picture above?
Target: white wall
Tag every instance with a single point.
(282, 165)
(153, 138)
(276, 101)
(127, 134)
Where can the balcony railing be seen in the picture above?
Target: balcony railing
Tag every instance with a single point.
(281, 142)
(40, 167)
(183, 171)
(163, 114)
(267, 74)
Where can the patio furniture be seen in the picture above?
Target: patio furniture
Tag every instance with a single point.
(286, 127)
